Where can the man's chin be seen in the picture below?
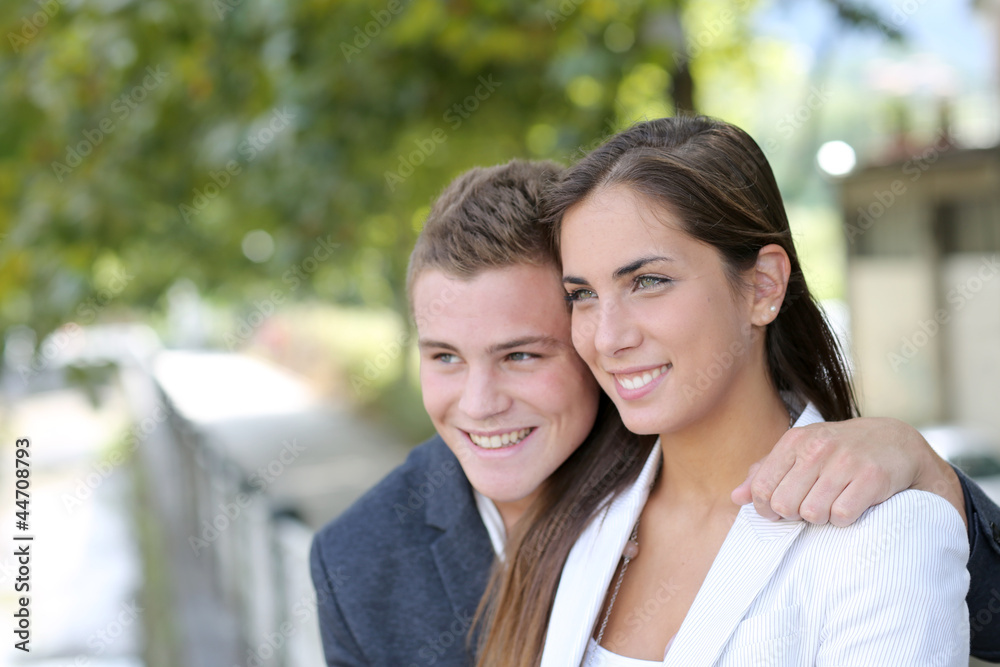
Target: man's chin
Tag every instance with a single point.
(506, 494)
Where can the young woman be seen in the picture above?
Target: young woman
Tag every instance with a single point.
(690, 308)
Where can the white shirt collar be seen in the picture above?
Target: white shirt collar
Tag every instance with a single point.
(493, 521)
(490, 515)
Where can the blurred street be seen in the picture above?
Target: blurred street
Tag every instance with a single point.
(172, 519)
(86, 568)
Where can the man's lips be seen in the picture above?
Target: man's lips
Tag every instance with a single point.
(499, 439)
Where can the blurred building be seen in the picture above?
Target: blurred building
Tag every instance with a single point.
(923, 231)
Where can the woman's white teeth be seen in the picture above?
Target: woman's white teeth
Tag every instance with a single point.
(497, 441)
(639, 381)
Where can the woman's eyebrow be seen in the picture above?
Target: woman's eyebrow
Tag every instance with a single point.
(623, 271)
(632, 267)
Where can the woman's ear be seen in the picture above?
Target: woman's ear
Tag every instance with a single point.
(770, 280)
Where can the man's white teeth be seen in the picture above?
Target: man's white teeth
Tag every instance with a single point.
(498, 441)
(640, 381)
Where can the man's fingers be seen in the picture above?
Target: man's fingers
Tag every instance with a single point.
(818, 503)
(741, 494)
(792, 491)
(764, 509)
(745, 492)
(859, 495)
(769, 474)
(829, 472)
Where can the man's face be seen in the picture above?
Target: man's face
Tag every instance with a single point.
(500, 378)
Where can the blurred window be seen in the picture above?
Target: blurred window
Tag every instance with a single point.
(890, 234)
(970, 226)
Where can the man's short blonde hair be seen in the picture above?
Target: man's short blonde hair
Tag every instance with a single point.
(487, 218)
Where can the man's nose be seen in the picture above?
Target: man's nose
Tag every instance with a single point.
(483, 395)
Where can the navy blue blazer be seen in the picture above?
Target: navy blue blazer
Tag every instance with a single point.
(399, 575)
(984, 571)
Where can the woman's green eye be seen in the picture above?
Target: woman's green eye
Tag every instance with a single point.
(646, 282)
(579, 295)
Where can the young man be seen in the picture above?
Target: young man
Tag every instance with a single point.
(400, 574)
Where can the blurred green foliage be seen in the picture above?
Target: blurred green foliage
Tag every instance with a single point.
(141, 141)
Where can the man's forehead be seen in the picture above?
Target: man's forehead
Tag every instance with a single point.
(524, 285)
(486, 273)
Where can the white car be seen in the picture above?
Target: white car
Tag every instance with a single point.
(974, 452)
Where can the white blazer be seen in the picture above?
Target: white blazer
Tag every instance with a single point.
(888, 590)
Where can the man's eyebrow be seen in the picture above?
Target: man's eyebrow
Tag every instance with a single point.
(546, 341)
(436, 344)
(632, 267)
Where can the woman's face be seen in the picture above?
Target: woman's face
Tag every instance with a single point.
(654, 315)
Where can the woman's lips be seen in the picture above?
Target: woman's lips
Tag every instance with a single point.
(638, 383)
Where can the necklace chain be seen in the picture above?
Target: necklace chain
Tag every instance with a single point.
(626, 559)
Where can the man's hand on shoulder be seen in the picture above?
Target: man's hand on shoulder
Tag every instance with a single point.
(834, 471)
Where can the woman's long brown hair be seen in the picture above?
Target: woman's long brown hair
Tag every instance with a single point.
(716, 180)
(607, 462)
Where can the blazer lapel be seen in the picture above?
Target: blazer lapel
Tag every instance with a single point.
(589, 567)
(463, 553)
(748, 558)
(463, 556)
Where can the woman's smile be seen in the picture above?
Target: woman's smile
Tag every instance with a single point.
(654, 310)
(637, 382)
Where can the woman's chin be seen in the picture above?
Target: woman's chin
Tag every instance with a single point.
(641, 426)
